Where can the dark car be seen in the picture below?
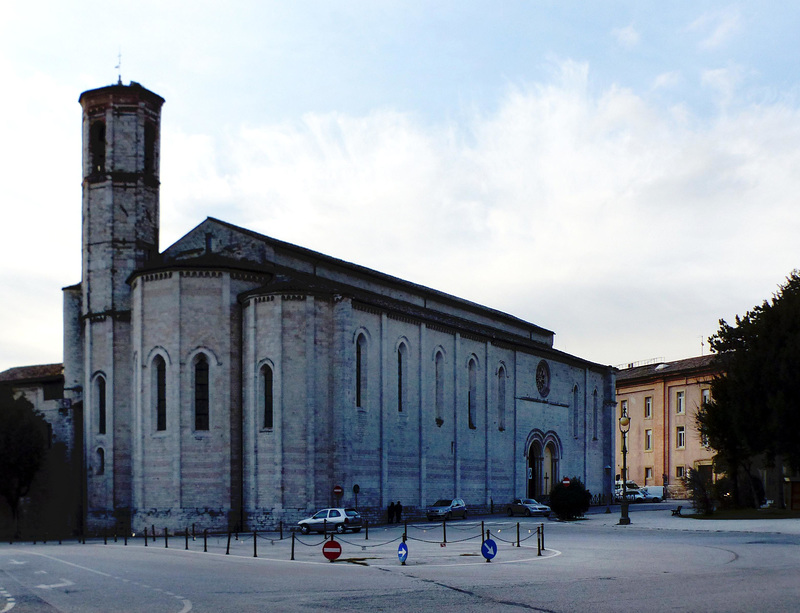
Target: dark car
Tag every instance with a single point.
(447, 508)
(528, 507)
(328, 520)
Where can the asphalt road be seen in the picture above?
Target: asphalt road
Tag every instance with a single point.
(659, 563)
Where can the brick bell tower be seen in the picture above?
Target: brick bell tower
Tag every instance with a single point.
(121, 158)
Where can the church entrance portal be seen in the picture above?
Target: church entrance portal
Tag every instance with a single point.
(543, 465)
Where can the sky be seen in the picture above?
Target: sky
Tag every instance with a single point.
(623, 173)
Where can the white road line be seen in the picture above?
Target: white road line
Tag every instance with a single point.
(64, 583)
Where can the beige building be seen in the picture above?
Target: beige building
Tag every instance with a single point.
(661, 400)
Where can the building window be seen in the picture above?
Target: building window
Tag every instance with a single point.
(648, 407)
(501, 399)
(101, 461)
(160, 392)
(201, 420)
(575, 412)
(595, 416)
(472, 394)
(623, 408)
(402, 368)
(100, 403)
(648, 474)
(680, 437)
(680, 472)
(97, 146)
(648, 440)
(267, 397)
(361, 370)
(705, 395)
(439, 400)
(149, 148)
(53, 391)
(680, 405)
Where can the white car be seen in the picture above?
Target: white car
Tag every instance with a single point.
(654, 493)
(328, 520)
(528, 507)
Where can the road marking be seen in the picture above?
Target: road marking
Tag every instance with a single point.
(64, 583)
(10, 600)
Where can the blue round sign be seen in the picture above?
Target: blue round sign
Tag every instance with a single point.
(402, 552)
(489, 549)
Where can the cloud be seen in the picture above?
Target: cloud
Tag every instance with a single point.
(596, 214)
(626, 37)
(716, 27)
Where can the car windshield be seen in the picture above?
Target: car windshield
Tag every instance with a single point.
(529, 501)
(321, 514)
(351, 512)
(442, 503)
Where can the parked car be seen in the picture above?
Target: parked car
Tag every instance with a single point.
(528, 507)
(447, 508)
(633, 496)
(655, 493)
(338, 519)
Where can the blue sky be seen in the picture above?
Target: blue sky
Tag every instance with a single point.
(622, 173)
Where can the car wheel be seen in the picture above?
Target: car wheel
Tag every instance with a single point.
(357, 530)
(510, 512)
(340, 529)
(448, 516)
(465, 515)
(304, 529)
(529, 514)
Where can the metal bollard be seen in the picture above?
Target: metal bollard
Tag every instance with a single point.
(366, 529)
(483, 540)
(255, 544)
(105, 537)
(145, 537)
(205, 540)
(292, 545)
(538, 542)
(517, 534)
(444, 532)
(187, 539)
(153, 532)
(228, 548)
(280, 528)
(166, 538)
(405, 530)
(543, 547)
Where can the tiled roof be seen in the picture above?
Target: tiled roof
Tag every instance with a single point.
(38, 372)
(667, 369)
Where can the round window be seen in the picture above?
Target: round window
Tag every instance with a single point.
(543, 378)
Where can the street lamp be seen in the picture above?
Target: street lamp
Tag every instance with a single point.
(624, 426)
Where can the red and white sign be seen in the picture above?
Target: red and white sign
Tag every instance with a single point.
(338, 491)
(565, 482)
(331, 550)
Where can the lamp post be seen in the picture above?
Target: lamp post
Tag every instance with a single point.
(624, 426)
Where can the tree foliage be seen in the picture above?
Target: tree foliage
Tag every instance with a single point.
(570, 501)
(755, 411)
(23, 445)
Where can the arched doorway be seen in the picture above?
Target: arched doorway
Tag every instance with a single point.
(543, 463)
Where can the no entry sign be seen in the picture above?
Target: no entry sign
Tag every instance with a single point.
(565, 482)
(331, 550)
(338, 491)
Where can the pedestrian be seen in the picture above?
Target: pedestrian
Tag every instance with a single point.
(391, 512)
(398, 511)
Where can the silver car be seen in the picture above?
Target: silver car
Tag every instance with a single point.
(447, 508)
(328, 520)
(528, 507)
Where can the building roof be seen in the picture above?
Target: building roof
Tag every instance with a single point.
(661, 370)
(32, 374)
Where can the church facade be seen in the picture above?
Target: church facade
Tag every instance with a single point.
(235, 380)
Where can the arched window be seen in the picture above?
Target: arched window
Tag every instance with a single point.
(575, 412)
(402, 372)
(501, 398)
(97, 146)
(160, 392)
(595, 416)
(101, 461)
(361, 371)
(100, 403)
(267, 396)
(439, 400)
(472, 394)
(201, 419)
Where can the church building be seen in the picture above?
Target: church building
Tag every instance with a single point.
(233, 379)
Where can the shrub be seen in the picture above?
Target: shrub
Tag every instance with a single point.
(571, 501)
(701, 491)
